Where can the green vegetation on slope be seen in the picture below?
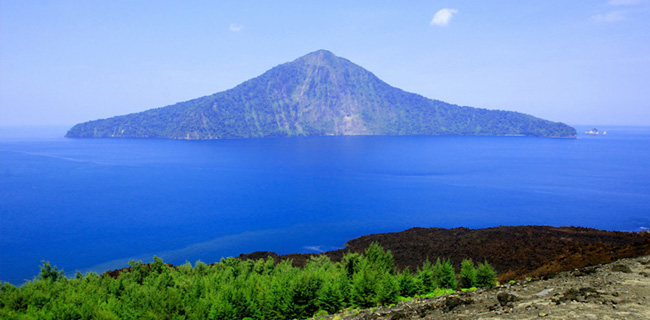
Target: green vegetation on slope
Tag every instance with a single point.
(230, 289)
(317, 94)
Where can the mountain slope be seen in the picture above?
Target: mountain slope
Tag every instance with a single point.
(317, 94)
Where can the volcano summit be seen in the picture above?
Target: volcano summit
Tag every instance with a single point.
(317, 94)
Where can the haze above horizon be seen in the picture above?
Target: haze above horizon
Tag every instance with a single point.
(578, 62)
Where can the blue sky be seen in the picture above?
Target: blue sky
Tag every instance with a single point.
(578, 62)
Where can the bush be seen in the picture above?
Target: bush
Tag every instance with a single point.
(426, 280)
(388, 290)
(364, 288)
(485, 275)
(446, 275)
(48, 273)
(330, 297)
(305, 294)
(351, 263)
(407, 284)
(379, 259)
(467, 274)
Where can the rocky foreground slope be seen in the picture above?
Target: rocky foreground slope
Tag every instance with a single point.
(618, 290)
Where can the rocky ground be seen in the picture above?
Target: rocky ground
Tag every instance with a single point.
(617, 290)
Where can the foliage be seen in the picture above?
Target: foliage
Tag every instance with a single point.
(425, 278)
(230, 289)
(407, 284)
(467, 274)
(445, 275)
(48, 273)
(485, 275)
(318, 94)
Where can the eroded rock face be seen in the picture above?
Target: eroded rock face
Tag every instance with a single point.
(606, 291)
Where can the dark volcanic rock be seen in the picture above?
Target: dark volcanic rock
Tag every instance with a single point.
(515, 252)
(507, 298)
(621, 268)
(451, 302)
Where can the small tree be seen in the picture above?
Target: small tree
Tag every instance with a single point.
(351, 264)
(305, 289)
(50, 273)
(139, 271)
(158, 266)
(446, 275)
(485, 275)
(388, 290)
(364, 288)
(467, 274)
(380, 259)
(344, 286)
(330, 297)
(407, 285)
(426, 278)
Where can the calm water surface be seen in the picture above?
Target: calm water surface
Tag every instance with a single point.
(93, 204)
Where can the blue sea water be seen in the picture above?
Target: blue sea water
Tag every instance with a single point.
(93, 204)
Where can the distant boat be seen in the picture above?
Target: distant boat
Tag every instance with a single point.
(593, 131)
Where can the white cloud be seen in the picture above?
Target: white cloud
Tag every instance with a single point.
(236, 27)
(613, 16)
(626, 8)
(623, 2)
(443, 16)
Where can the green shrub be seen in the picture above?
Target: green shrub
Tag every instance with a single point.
(426, 278)
(330, 297)
(380, 259)
(445, 275)
(50, 274)
(364, 288)
(485, 275)
(407, 284)
(388, 290)
(467, 274)
(351, 263)
(305, 293)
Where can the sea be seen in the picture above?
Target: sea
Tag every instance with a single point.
(93, 205)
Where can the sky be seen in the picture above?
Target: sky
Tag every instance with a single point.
(577, 62)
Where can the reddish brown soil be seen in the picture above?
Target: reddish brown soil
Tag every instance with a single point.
(515, 252)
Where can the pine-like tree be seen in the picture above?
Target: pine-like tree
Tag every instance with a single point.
(407, 283)
(467, 274)
(50, 273)
(380, 259)
(364, 288)
(388, 290)
(426, 279)
(446, 275)
(485, 275)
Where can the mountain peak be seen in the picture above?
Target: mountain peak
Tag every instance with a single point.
(316, 94)
(319, 54)
(324, 58)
